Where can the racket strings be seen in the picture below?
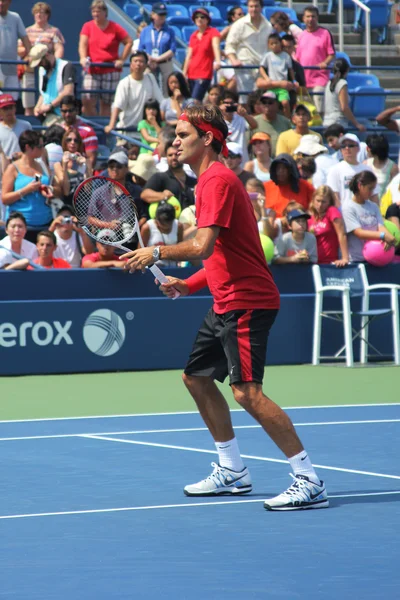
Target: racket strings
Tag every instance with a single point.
(106, 212)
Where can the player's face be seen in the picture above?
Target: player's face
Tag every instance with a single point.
(190, 147)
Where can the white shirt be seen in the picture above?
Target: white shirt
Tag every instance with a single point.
(324, 163)
(131, 96)
(162, 166)
(247, 42)
(28, 250)
(68, 250)
(339, 178)
(237, 133)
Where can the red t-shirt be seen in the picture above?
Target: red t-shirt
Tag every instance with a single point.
(201, 63)
(95, 257)
(278, 197)
(237, 274)
(58, 263)
(103, 45)
(325, 232)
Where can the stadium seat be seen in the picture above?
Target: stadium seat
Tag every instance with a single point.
(187, 31)
(367, 106)
(379, 17)
(361, 79)
(332, 5)
(291, 13)
(180, 55)
(177, 30)
(345, 284)
(214, 13)
(343, 55)
(178, 15)
(132, 10)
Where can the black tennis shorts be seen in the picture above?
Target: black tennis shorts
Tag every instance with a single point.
(233, 343)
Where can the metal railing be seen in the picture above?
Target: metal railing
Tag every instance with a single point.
(367, 11)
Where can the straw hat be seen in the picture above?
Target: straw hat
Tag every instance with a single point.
(143, 167)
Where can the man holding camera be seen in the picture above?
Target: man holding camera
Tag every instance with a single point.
(238, 121)
(72, 241)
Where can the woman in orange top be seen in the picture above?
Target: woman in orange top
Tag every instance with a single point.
(286, 185)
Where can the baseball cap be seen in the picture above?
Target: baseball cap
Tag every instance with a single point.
(201, 11)
(260, 135)
(350, 137)
(106, 235)
(269, 95)
(120, 157)
(300, 107)
(36, 53)
(159, 8)
(6, 100)
(234, 148)
(296, 214)
(310, 146)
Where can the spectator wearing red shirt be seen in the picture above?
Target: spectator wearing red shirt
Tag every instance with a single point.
(69, 111)
(233, 337)
(105, 257)
(46, 245)
(327, 225)
(203, 55)
(99, 42)
(286, 185)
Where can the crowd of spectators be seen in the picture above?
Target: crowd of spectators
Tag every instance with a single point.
(318, 197)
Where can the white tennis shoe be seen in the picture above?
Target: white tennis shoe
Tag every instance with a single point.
(302, 494)
(222, 481)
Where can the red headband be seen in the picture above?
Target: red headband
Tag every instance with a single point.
(204, 126)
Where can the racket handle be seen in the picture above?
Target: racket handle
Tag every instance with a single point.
(159, 275)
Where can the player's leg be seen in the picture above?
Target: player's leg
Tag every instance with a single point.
(207, 362)
(245, 343)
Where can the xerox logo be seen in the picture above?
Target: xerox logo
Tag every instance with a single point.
(40, 333)
(104, 332)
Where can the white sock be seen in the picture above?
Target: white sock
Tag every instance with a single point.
(301, 465)
(229, 455)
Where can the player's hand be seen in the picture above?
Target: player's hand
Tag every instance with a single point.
(138, 259)
(174, 284)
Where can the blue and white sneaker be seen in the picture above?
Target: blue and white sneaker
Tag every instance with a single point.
(222, 481)
(302, 494)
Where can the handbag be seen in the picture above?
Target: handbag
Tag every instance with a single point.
(305, 99)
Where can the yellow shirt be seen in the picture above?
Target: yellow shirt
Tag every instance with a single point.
(289, 140)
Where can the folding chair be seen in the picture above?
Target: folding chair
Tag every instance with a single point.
(347, 283)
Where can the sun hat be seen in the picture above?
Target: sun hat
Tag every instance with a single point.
(36, 53)
(310, 146)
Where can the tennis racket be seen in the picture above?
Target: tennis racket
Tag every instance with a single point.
(107, 213)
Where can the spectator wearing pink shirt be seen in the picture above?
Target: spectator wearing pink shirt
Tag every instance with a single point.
(315, 48)
(327, 225)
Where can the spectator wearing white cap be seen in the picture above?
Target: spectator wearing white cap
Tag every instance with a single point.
(341, 174)
(57, 78)
(310, 146)
(234, 162)
(270, 121)
(12, 29)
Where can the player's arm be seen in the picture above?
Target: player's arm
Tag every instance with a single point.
(199, 247)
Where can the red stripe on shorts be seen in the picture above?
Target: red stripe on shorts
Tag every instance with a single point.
(243, 335)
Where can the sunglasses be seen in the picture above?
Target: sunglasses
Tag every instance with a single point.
(350, 146)
(268, 101)
(230, 155)
(115, 167)
(70, 140)
(68, 110)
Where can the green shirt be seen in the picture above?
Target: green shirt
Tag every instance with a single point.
(274, 128)
(143, 124)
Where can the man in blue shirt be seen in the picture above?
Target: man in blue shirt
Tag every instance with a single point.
(158, 40)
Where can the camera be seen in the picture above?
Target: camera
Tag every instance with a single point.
(67, 220)
(231, 107)
(37, 177)
(73, 156)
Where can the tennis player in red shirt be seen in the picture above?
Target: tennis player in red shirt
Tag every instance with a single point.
(233, 337)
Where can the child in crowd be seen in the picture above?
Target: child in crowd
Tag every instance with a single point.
(276, 70)
(164, 230)
(298, 245)
(327, 224)
(72, 241)
(150, 126)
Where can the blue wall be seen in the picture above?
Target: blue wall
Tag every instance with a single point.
(88, 321)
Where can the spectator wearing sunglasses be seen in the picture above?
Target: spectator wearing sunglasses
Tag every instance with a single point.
(69, 111)
(73, 168)
(270, 121)
(340, 175)
(26, 188)
(57, 78)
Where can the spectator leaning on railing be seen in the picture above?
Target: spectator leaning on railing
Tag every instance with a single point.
(57, 78)
(132, 94)
(158, 41)
(298, 245)
(72, 241)
(15, 239)
(46, 245)
(41, 32)
(12, 29)
(99, 42)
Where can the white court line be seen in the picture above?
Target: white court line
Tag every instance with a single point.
(274, 460)
(189, 412)
(185, 430)
(164, 506)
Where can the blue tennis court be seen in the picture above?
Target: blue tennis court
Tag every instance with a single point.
(93, 508)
